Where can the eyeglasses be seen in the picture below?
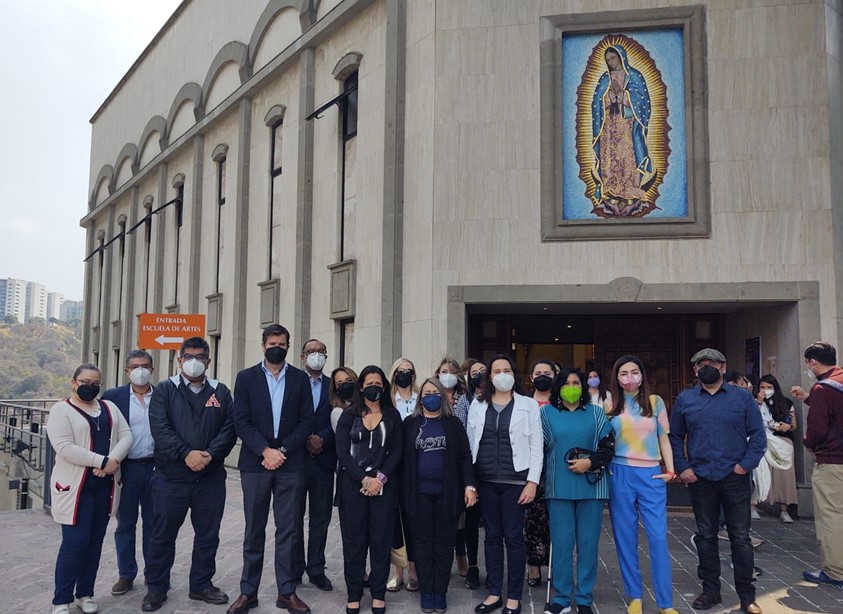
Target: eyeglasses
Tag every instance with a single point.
(199, 357)
(309, 352)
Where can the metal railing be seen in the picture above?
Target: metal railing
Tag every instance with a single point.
(24, 436)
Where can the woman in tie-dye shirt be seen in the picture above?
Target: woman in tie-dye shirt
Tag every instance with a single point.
(640, 425)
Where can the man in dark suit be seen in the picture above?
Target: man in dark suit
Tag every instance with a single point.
(133, 400)
(320, 462)
(273, 416)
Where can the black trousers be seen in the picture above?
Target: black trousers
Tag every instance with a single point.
(504, 522)
(170, 503)
(468, 538)
(318, 493)
(366, 524)
(434, 534)
(283, 489)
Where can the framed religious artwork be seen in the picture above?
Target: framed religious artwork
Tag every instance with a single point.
(624, 128)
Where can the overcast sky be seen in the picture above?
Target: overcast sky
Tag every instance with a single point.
(59, 62)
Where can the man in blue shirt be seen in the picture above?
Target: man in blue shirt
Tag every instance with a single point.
(721, 428)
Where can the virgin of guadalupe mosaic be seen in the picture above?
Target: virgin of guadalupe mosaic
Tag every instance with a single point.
(622, 130)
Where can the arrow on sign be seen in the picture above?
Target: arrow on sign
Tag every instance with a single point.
(162, 340)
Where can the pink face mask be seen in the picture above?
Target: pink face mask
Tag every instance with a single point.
(631, 382)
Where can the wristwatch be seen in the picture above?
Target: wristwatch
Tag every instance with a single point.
(283, 450)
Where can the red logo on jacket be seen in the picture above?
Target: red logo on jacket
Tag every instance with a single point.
(61, 488)
(212, 401)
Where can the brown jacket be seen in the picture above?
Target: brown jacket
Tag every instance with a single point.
(824, 429)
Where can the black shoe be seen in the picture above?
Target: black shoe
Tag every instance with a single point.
(243, 604)
(472, 578)
(483, 607)
(379, 610)
(349, 610)
(706, 601)
(121, 587)
(584, 609)
(534, 582)
(322, 583)
(211, 595)
(512, 610)
(153, 601)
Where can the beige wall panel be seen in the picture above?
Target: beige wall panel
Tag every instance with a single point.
(182, 121)
(325, 7)
(123, 173)
(149, 149)
(226, 81)
(283, 30)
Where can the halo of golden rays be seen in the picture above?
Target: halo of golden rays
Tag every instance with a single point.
(658, 142)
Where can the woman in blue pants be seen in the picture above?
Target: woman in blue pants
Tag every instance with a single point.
(575, 488)
(640, 426)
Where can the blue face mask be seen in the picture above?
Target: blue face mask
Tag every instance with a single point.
(432, 402)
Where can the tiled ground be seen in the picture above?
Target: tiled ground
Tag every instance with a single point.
(29, 541)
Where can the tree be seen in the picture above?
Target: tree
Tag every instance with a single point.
(10, 319)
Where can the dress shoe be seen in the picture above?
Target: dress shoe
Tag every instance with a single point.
(349, 610)
(534, 582)
(706, 601)
(322, 583)
(243, 604)
(379, 609)
(483, 608)
(292, 604)
(211, 595)
(472, 578)
(121, 587)
(751, 608)
(393, 585)
(440, 603)
(426, 602)
(153, 601)
(516, 610)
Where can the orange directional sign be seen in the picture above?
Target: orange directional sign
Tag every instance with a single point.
(166, 331)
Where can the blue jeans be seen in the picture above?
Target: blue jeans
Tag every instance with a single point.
(137, 493)
(171, 500)
(574, 523)
(503, 519)
(635, 493)
(732, 493)
(81, 546)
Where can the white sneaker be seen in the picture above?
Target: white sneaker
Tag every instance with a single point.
(785, 517)
(754, 514)
(63, 608)
(87, 605)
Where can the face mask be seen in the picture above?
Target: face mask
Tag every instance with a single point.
(87, 392)
(768, 393)
(809, 373)
(432, 402)
(571, 394)
(275, 355)
(542, 383)
(708, 375)
(504, 381)
(193, 368)
(449, 380)
(139, 376)
(593, 382)
(630, 383)
(404, 379)
(373, 393)
(315, 361)
(345, 391)
(477, 379)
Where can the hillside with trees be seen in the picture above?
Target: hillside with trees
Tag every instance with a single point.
(37, 359)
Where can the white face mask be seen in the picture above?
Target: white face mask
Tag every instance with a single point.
(139, 376)
(504, 381)
(448, 380)
(193, 367)
(810, 374)
(768, 393)
(316, 361)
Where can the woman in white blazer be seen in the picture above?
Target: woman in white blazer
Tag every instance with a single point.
(505, 435)
(90, 438)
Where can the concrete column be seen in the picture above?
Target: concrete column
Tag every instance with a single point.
(239, 291)
(304, 197)
(128, 342)
(194, 261)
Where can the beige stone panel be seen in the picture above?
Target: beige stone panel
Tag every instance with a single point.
(729, 135)
(744, 82)
(447, 60)
(123, 173)
(283, 30)
(818, 240)
(750, 33)
(795, 29)
(417, 345)
(719, 32)
(149, 149)
(815, 186)
(226, 81)
(459, 14)
(797, 80)
(182, 121)
(421, 20)
(812, 130)
(512, 49)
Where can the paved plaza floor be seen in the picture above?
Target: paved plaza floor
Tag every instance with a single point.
(30, 539)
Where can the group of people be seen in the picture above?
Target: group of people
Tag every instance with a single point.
(413, 465)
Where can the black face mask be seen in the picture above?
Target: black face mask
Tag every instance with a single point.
(708, 375)
(275, 355)
(87, 392)
(404, 379)
(373, 393)
(477, 379)
(345, 391)
(543, 383)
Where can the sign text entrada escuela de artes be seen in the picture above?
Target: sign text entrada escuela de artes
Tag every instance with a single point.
(167, 331)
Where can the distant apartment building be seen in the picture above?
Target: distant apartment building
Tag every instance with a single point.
(36, 301)
(70, 310)
(13, 298)
(54, 301)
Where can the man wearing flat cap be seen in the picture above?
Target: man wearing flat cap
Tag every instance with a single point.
(718, 438)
